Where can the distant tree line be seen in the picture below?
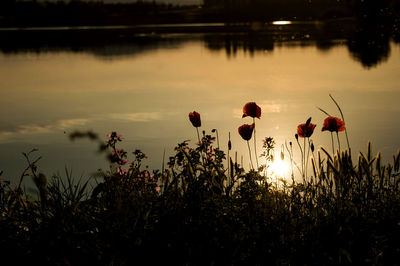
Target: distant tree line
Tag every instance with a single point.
(304, 9)
(35, 13)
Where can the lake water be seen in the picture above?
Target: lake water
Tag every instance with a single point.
(144, 85)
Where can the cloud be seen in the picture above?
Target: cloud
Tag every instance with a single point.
(138, 117)
(40, 129)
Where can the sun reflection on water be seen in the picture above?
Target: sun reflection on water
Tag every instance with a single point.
(281, 22)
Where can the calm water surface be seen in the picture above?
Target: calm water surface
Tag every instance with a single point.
(145, 90)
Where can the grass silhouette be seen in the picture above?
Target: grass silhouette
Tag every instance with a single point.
(195, 211)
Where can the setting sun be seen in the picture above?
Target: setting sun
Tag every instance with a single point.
(279, 168)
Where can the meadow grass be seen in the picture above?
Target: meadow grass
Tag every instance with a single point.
(204, 208)
(345, 211)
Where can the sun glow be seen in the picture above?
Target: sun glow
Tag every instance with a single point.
(279, 168)
(281, 22)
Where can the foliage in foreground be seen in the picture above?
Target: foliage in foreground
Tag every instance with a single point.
(197, 212)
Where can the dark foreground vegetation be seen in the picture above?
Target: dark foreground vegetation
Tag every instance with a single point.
(199, 211)
(77, 13)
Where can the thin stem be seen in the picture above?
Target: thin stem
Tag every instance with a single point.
(345, 130)
(163, 162)
(337, 134)
(198, 135)
(291, 157)
(301, 151)
(308, 154)
(201, 151)
(216, 131)
(229, 158)
(315, 162)
(304, 161)
(251, 161)
(255, 142)
(333, 145)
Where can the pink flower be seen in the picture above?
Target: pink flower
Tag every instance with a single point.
(122, 172)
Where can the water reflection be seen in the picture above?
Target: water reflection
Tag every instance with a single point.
(145, 85)
(367, 44)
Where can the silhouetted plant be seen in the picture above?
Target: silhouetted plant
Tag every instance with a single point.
(196, 212)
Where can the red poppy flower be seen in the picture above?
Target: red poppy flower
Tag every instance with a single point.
(195, 119)
(251, 109)
(246, 131)
(305, 131)
(332, 124)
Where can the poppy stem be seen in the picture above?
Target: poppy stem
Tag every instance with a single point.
(337, 134)
(229, 158)
(333, 145)
(341, 114)
(251, 161)
(304, 161)
(308, 153)
(201, 152)
(301, 151)
(255, 142)
(198, 135)
(309, 143)
(216, 131)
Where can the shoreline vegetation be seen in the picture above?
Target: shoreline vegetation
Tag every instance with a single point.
(34, 13)
(204, 208)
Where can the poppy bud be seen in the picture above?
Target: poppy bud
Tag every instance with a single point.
(308, 121)
(312, 147)
(229, 142)
(246, 131)
(282, 156)
(290, 143)
(195, 119)
(296, 136)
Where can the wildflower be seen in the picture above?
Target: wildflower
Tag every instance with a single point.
(114, 135)
(195, 119)
(246, 131)
(333, 124)
(116, 156)
(122, 172)
(305, 130)
(251, 109)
